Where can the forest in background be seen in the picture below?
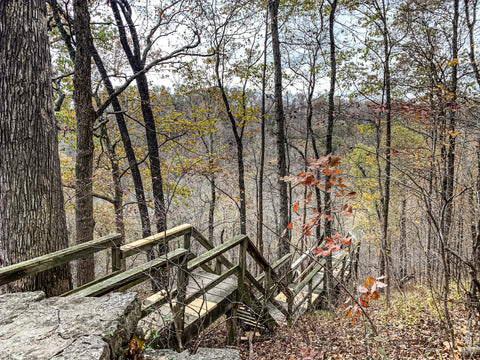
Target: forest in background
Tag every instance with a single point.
(292, 122)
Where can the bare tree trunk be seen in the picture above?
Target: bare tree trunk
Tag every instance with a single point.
(388, 149)
(474, 273)
(238, 135)
(329, 147)
(32, 215)
(117, 184)
(85, 117)
(122, 126)
(134, 59)
(284, 244)
(403, 242)
(449, 190)
(260, 241)
(127, 145)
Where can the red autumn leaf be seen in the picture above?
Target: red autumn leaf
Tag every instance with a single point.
(336, 172)
(295, 206)
(290, 226)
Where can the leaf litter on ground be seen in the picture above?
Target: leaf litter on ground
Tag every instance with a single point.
(409, 329)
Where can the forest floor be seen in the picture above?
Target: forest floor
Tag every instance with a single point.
(410, 329)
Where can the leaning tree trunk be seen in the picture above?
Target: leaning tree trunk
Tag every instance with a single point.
(32, 216)
(117, 109)
(135, 61)
(85, 116)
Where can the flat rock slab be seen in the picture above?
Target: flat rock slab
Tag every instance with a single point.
(201, 354)
(35, 328)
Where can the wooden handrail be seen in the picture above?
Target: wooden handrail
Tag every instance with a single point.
(318, 265)
(215, 252)
(255, 254)
(129, 278)
(147, 243)
(49, 261)
(257, 257)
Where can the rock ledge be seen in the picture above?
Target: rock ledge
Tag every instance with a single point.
(36, 328)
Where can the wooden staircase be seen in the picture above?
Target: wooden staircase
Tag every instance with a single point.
(199, 295)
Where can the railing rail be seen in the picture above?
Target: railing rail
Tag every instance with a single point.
(49, 261)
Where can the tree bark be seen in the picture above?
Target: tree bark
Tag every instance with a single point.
(120, 118)
(127, 145)
(284, 243)
(388, 149)
(239, 142)
(32, 215)
(85, 117)
(135, 61)
(329, 145)
(261, 171)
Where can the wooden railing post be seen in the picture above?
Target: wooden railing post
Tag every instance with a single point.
(186, 240)
(242, 264)
(309, 299)
(240, 294)
(290, 300)
(268, 283)
(182, 282)
(116, 259)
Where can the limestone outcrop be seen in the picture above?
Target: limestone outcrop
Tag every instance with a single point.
(36, 328)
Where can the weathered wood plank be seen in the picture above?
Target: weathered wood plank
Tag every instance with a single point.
(96, 281)
(275, 265)
(156, 300)
(149, 242)
(317, 267)
(49, 261)
(283, 286)
(207, 245)
(211, 284)
(133, 276)
(215, 252)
